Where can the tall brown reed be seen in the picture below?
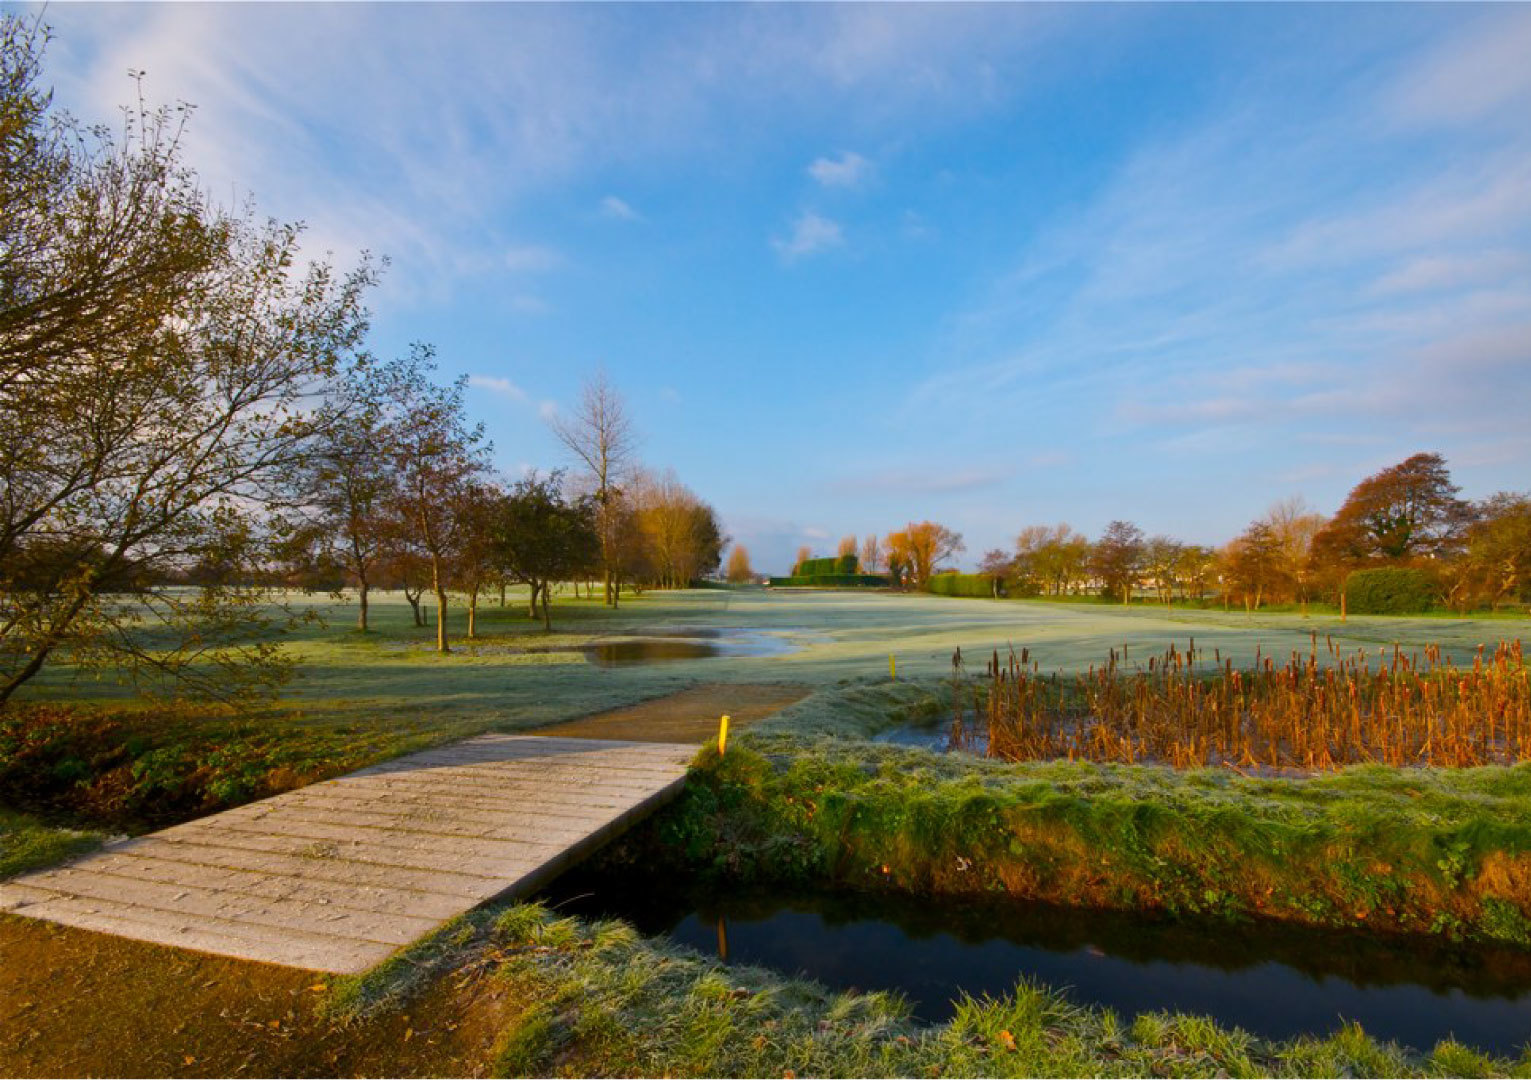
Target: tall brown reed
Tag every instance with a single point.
(1310, 713)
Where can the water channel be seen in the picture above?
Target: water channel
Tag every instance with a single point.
(1273, 980)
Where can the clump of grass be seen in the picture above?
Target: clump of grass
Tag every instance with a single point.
(610, 1003)
(1311, 714)
(29, 844)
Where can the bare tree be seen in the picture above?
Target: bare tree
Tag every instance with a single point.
(600, 436)
(871, 554)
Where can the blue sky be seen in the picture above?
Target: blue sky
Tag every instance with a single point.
(857, 265)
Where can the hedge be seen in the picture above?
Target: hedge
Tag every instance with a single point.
(830, 581)
(961, 585)
(1391, 590)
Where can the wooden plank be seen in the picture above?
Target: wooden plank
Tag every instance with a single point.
(336, 876)
(541, 826)
(281, 887)
(321, 872)
(290, 948)
(94, 883)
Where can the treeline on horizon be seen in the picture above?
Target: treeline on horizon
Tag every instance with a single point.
(187, 399)
(1402, 541)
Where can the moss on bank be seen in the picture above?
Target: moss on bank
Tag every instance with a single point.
(1416, 851)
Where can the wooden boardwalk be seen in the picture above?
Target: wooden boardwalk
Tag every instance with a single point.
(337, 876)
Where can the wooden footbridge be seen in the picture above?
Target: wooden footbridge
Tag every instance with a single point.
(339, 875)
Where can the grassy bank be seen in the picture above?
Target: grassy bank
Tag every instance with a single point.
(1415, 851)
(602, 1001)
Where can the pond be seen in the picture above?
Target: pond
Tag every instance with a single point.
(1273, 980)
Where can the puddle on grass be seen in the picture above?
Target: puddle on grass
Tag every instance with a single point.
(647, 647)
(1274, 980)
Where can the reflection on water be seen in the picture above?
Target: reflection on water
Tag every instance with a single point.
(1274, 980)
(661, 645)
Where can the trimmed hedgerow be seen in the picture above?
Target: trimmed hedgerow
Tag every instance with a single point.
(1390, 590)
(961, 585)
(829, 581)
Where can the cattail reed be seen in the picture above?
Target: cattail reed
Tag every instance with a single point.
(1393, 709)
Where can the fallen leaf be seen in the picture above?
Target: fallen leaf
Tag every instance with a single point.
(1007, 1040)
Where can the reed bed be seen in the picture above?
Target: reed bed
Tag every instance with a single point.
(1311, 713)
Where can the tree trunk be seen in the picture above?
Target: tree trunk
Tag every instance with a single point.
(414, 606)
(438, 586)
(502, 594)
(473, 612)
(531, 609)
(547, 613)
(361, 613)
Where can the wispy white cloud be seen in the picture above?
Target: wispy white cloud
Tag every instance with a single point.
(497, 384)
(619, 209)
(849, 170)
(810, 235)
(1427, 273)
(1476, 73)
(548, 410)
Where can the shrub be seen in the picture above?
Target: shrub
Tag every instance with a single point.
(1392, 590)
(847, 564)
(816, 567)
(961, 585)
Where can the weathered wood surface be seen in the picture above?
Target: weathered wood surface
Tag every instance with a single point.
(337, 876)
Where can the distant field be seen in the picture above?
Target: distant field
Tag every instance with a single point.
(391, 675)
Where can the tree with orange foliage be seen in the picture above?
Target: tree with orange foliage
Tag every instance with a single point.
(739, 571)
(919, 548)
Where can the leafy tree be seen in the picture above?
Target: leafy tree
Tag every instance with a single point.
(164, 371)
(920, 548)
(1161, 561)
(351, 473)
(679, 532)
(998, 566)
(1255, 562)
(541, 536)
(1406, 511)
(739, 571)
(438, 456)
(1498, 558)
(1117, 558)
(1051, 558)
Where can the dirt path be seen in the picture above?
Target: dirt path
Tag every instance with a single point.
(689, 716)
(74, 1003)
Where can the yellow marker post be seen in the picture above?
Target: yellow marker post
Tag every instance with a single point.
(892, 667)
(722, 736)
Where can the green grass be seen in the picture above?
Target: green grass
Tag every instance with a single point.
(602, 1001)
(29, 844)
(1417, 851)
(807, 797)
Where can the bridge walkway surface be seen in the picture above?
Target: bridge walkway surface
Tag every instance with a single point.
(339, 875)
